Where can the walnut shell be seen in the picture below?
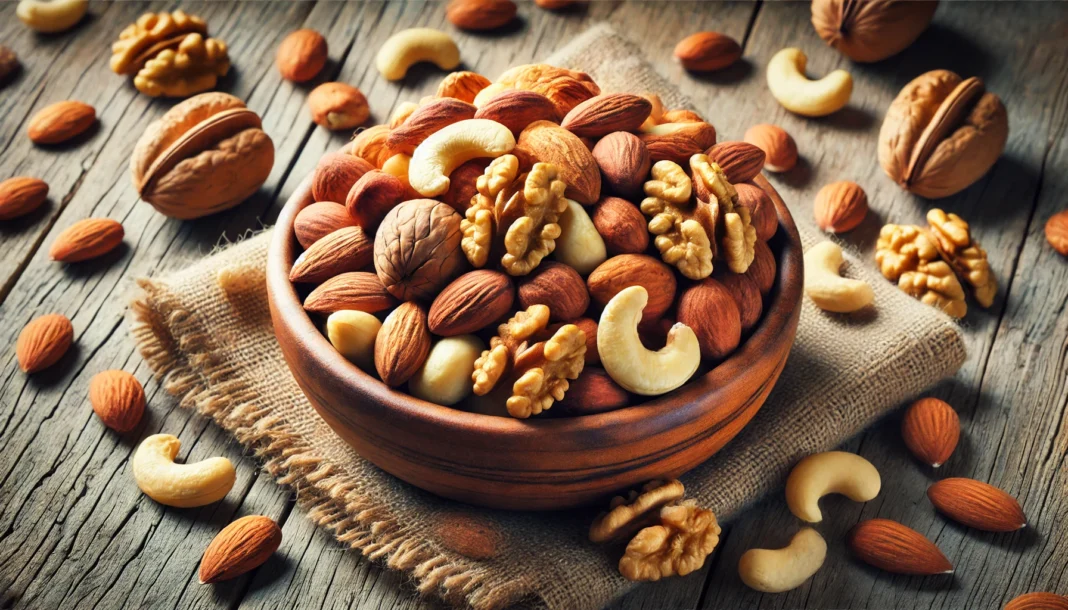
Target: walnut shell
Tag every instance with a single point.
(417, 249)
(205, 155)
(941, 134)
(870, 30)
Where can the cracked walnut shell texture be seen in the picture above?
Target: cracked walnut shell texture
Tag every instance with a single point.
(417, 249)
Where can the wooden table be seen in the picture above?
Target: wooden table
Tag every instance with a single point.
(76, 533)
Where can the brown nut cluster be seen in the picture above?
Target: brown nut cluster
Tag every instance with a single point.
(170, 55)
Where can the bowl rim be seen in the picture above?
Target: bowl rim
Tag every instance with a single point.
(691, 401)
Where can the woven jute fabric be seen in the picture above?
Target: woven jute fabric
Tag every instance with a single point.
(206, 332)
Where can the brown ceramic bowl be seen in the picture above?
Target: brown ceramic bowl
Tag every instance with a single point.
(535, 464)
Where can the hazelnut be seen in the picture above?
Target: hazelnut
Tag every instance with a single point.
(763, 268)
(762, 213)
(621, 225)
(338, 106)
(779, 147)
(746, 296)
(373, 196)
(417, 249)
(335, 174)
(301, 55)
(624, 161)
(625, 270)
(710, 310)
(1057, 232)
(557, 286)
(593, 392)
(840, 206)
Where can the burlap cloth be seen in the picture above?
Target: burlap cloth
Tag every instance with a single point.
(216, 351)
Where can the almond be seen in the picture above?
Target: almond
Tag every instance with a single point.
(557, 286)
(319, 220)
(746, 296)
(241, 546)
(625, 270)
(593, 392)
(977, 504)
(624, 161)
(463, 182)
(344, 250)
(622, 226)
(678, 141)
(518, 108)
(60, 122)
(554, 5)
(20, 196)
(335, 174)
(931, 430)
(86, 239)
(338, 106)
(370, 145)
(890, 546)
(425, 120)
(374, 195)
(1057, 232)
(43, 342)
(709, 309)
(463, 85)
(707, 52)
(480, 15)
(840, 206)
(471, 302)
(359, 290)
(602, 114)
(402, 344)
(117, 399)
(761, 209)
(741, 161)
(545, 141)
(779, 148)
(763, 268)
(1038, 601)
(301, 56)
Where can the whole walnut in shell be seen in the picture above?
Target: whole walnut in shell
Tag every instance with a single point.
(417, 249)
(871, 30)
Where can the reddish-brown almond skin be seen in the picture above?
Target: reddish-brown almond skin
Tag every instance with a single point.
(43, 342)
(1038, 601)
(517, 108)
(707, 52)
(241, 546)
(593, 392)
(931, 429)
(21, 195)
(619, 272)
(374, 195)
(344, 250)
(402, 344)
(746, 296)
(426, 120)
(777, 144)
(606, 113)
(319, 220)
(840, 206)
(740, 161)
(977, 504)
(891, 546)
(359, 290)
(60, 122)
(761, 210)
(622, 226)
(302, 55)
(471, 302)
(86, 239)
(335, 175)
(763, 268)
(624, 161)
(117, 399)
(480, 15)
(557, 286)
(710, 310)
(1057, 232)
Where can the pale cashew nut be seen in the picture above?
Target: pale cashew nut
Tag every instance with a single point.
(398, 165)
(353, 334)
(579, 246)
(452, 146)
(51, 17)
(796, 93)
(409, 47)
(831, 472)
(181, 485)
(828, 290)
(629, 363)
(785, 569)
(491, 91)
(445, 377)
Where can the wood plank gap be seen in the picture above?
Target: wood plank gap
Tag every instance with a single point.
(752, 24)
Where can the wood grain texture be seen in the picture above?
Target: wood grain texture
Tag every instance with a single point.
(75, 532)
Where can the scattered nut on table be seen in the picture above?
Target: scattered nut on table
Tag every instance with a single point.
(785, 569)
(829, 290)
(170, 55)
(51, 16)
(840, 206)
(181, 485)
(240, 547)
(796, 93)
(301, 55)
(408, 47)
(831, 472)
(338, 106)
(707, 52)
(871, 31)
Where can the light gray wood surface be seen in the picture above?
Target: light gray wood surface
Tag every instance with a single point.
(76, 533)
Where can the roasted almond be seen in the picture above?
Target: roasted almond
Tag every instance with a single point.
(746, 296)
(43, 342)
(708, 308)
(761, 209)
(471, 302)
(359, 290)
(1038, 601)
(547, 142)
(740, 161)
(840, 206)
(977, 504)
(374, 195)
(117, 399)
(426, 120)
(241, 546)
(624, 161)
(344, 250)
(517, 108)
(402, 344)
(602, 114)
(60, 122)
(480, 15)
(335, 174)
(707, 51)
(763, 268)
(678, 141)
(893, 547)
(779, 148)
(86, 239)
(301, 56)
(622, 226)
(319, 220)
(593, 392)
(557, 286)
(370, 145)
(931, 429)
(463, 184)
(462, 85)
(625, 270)
(20, 196)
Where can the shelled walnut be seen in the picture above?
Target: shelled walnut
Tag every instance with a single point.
(170, 55)
(936, 285)
(954, 241)
(627, 515)
(682, 229)
(687, 534)
(735, 233)
(902, 248)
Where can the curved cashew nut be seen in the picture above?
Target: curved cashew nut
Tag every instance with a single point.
(785, 569)
(831, 472)
(452, 146)
(796, 93)
(629, 363)
(409, 47)
(181, 485)
(580, 245)
(51, 17)
(828, 290)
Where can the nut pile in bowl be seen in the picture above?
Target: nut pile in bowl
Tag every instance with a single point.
(509, 247)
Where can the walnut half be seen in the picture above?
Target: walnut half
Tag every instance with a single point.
(687, 534)
(954, 240)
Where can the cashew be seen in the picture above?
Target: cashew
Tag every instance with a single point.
(51, 17)
(445, 378)
(832, 472)
(452, 146)
(181, 485)
(785, 569)
(828, 290)
(398, 165)
(629, 363)
(580, 245)
(408, 47)
(488, 93)
(353, 333)
(796, 93)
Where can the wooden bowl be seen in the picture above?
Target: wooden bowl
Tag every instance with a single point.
(536, 464)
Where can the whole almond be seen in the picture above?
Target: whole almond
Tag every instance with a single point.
(547, 142)
(471, 302)
(319, 220)
(1057, 232)
(746, 296)
(707, 52)
(593, 392)
(402, 344)
(370, 144)
(117, 399)
(21, 195)
(1038, 601)
(708, 308)
(335, 174)
(602, 114)
(43, 342)
(624, 162)
(678, 141)
(344, 250)
(338, 106)
(60, 122)
(741, 161)
(302, 55)
(463, 184)
(359, 290)
(462, 85)
(893, 547)
(763, 268)
(977, 504)
(241, 546)
(374, 195)
(779, 148)
(518, 108)
(557, 286)
(426, 120)
(931, 430)
(840, 206)
(480, 15)
(619, 272)
(622, 226)
(86, 239)
(761, 209)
